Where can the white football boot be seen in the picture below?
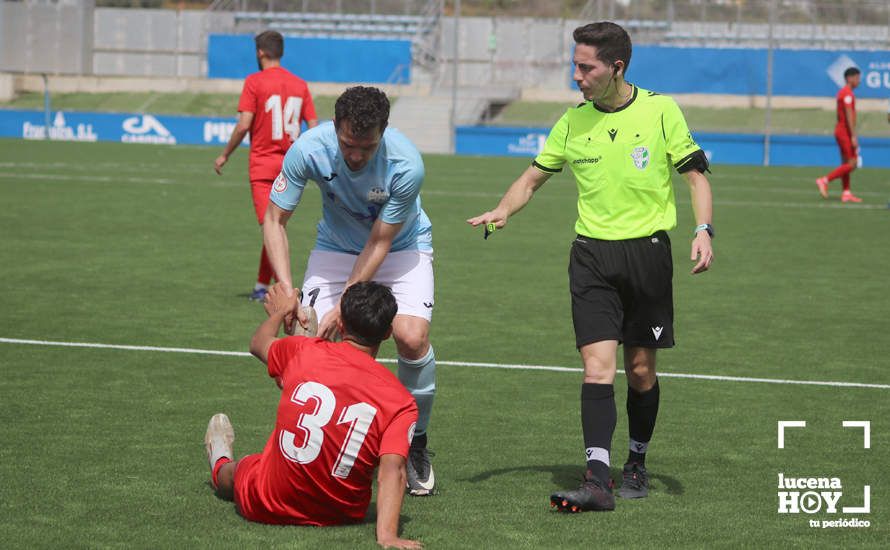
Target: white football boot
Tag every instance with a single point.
(219, 439)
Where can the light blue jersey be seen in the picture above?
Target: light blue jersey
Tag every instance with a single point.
(388, 187)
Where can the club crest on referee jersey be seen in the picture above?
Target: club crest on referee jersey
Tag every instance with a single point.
(377, 195)
(280, 184)
(640, 156)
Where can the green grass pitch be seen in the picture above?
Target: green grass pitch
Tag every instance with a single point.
(145, 245)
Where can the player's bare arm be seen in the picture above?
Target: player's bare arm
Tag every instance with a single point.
(516, 197)
(376, 248)
(276, 243)
(375, 251)
(278, 304)
(391, 478)
(702, 205)
(278, 250)
(245, 119)
(851, 126)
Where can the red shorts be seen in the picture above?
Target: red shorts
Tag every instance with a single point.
(845, 144)
(251, 487)
(245, 470)
(260, 189)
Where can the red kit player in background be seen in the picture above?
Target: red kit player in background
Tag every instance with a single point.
(341, 415)
(274, 102)
(845, 134)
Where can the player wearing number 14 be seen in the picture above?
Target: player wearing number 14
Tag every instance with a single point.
(274, 102)
(341, 414)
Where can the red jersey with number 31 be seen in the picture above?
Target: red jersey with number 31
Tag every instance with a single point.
(340, 410)
(280, 102)
(845, 99)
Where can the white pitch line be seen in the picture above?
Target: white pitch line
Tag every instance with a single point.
(117, 167)
(452, 363)
(819, 205)
(498, 366)
(804, 205)
(123, 347)
(88, 178)
(216, 182)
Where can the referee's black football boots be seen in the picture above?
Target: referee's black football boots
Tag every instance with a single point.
(590, 496)
(634, 482)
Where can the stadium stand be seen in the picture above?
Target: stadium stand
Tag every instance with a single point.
(315, 24)
(785, 36)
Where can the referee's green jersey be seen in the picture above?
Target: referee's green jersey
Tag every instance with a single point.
(622, 164)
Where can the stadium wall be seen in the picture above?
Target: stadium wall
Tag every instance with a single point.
(316, 59)
(786, 150)
(120, 127)
(747, 149)
(744, 71)
(77, 39)
(722, 71)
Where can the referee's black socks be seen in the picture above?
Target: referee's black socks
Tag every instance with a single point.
(642, 410)
(598, 417)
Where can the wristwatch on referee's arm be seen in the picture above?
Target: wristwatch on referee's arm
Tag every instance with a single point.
(704, 227)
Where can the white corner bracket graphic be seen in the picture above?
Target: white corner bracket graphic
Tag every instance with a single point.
(866, 430)
(866, 444)
(866, 503)
(788, 424)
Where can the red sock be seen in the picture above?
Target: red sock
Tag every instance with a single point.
(265, 274)
(216, 467)
(846, 180)
(840, 172)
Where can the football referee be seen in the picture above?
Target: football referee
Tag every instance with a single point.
(620, 144)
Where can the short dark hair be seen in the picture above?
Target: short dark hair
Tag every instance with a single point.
(364, 107)
(367, 310)
(611, 41)
(852, 71)
(270, 42)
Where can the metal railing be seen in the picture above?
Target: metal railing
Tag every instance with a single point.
(405, 7)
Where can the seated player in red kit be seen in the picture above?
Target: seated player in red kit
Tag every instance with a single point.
(341, 415)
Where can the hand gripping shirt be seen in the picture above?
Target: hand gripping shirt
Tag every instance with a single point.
(388, 187)
(622, 162)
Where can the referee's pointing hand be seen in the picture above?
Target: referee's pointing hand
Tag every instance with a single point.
(492, 216)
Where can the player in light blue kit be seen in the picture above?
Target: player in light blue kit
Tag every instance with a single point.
(372, 227)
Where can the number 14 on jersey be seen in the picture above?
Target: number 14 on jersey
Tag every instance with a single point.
(286, 117)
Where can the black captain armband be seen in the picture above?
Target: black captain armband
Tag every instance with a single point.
(693, 161)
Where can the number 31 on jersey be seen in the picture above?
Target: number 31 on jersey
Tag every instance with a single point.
(286, 117)
(310, 427)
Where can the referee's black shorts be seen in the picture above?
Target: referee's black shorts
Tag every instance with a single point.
(622, 290)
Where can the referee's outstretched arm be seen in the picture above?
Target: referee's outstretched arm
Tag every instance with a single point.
(516, 197)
